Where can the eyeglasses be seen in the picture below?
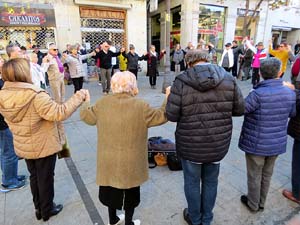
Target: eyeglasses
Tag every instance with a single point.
(54, 49)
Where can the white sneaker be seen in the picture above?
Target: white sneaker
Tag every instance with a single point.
(121, 217)
(137, 222)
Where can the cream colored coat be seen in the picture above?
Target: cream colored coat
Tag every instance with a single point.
(32, 117)
(122, 122)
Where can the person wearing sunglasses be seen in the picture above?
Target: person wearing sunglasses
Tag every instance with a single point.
(283, 53)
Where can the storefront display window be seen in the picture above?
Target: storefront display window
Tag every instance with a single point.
(251, 31)
(175, 26)
(211, 25)
(155, 31)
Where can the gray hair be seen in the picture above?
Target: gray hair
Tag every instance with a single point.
(194, 56)
(269, 68)
(10, 49)
(72, 47)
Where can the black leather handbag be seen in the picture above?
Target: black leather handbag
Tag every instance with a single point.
(174, 163)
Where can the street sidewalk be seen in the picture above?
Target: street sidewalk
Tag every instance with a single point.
(162, 196)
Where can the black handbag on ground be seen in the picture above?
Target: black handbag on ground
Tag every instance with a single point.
(174, 163)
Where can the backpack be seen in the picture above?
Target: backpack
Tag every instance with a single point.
(296, 67)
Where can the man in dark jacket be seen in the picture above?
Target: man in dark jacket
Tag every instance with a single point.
(40, 55)
(9, 159)
(294, 132)
(203, 100)
(105, 56)
(237, 50)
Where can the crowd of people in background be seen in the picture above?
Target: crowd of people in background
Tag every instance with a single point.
(202, 101)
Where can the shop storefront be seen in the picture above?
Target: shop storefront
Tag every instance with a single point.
(175, 26)
(101, 24)
(26, 25)
(211, 24)
(253, 17)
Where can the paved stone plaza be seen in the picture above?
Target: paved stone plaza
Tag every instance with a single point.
(162, 197)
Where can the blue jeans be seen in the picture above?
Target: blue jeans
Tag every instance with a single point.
(200, 199)
(9, 159)
(296, 169)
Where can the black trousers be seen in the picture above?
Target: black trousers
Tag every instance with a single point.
(234, 69)
(77, 82)
(255, 76)
(135, 72)
(42, 182)
(228, 69)
(152, 80)
(115, 198)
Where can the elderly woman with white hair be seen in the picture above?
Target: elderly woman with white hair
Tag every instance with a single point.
(122, 122)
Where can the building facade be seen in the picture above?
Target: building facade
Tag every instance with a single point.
(222, 21)
(88, 22)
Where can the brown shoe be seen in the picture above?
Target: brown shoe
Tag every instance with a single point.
(289, 195)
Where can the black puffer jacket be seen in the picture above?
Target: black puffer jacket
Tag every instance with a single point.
(202, 102)
(294, 123)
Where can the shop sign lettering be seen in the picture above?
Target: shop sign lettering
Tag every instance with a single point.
(18, 19)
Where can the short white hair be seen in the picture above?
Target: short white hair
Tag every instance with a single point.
(124, 82)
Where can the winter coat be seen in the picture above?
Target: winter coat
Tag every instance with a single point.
(230, 56)
(122, 62)
(106, 58)
(203, 100)
(75, 65)
(122, 123)
(179, 59)
(52, 69)
(257, 55)
(152, 63)
(296, 67)
(267, 109)
(31, 115)
(132, 60)
(283, 56)
(294, 123)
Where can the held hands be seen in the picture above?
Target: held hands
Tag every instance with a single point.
(168, 91)
(84, 94)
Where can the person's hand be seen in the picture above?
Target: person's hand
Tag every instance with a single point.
(270, 42)
(87, 95)
(46, 59)
(163, 51)
(168, 91)
(146, 53)
(288, 84)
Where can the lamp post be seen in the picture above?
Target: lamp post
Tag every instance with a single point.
(167, 74)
